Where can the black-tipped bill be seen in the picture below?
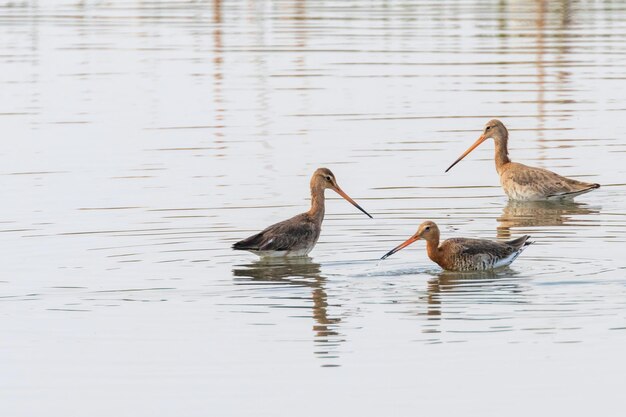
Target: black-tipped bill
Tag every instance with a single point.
(351, 201)
(480, 140)
(400, 246)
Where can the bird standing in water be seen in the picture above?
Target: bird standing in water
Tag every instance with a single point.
(462, 254)
(298, 235)
(521, 182)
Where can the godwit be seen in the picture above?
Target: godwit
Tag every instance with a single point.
(521, 182)
(297, 236)
(461, 254)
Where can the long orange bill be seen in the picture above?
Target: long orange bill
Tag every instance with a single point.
(351, 201)
(400, 246)
(480, 140)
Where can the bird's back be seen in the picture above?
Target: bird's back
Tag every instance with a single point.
(294, 236)
(463, 254)
(522, 182)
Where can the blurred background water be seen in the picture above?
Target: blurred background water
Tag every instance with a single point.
(140, 139)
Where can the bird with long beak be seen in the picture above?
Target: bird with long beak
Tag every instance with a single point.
(298, 235)
(463, 254)
(522, 182)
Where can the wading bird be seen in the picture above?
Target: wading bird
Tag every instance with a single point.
(462, 254)
(298, 235)
(521, 182)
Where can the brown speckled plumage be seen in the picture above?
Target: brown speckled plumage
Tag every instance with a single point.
(463, 254)
(522, 182)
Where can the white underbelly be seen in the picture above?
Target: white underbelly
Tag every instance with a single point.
(283, 253)
(506, 261)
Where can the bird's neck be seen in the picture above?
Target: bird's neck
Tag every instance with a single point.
(502, 154)
(433, 250)
(317, 203)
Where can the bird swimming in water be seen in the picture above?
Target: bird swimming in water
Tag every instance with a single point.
(522, 182)
(463, 254)
(298, 235)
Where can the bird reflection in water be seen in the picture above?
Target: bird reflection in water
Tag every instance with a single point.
(453, 297)
(299, 272)
(540, 213)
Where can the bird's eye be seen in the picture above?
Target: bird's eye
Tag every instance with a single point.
(327, 177)
(488, 127)
(427, 228)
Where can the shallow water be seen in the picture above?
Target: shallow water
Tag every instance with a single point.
(141, 139)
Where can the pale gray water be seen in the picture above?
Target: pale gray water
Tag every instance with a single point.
(141, 139)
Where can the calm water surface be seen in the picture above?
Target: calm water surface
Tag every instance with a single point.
(141, 139)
